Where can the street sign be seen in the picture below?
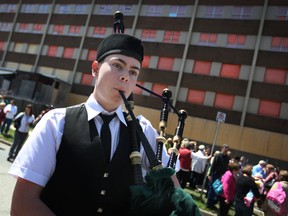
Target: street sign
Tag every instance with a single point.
(221, 117)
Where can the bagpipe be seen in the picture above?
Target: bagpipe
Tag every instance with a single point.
(158, 194)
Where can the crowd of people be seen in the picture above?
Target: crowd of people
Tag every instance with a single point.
(23, 122)
(245, 185)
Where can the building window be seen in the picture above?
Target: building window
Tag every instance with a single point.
(5, 26)
(68, 52)
(92, 55)
(126, 9)
(99, 32)
(23, 27)
(87, 79)
(148, 35)
(269, 108)
(105, 10)
(165, 63)
(154, 10)
(58, 29)
(138, 90)
(171, 37)
(37, 27)
(19, 47)
(28, 8)
(275, 76)
(243, 12)
(32, 48)
(2, 44)
(234, 40)
(224, 101)
(158, 88)
(146, 62)
(282, 13)
(74, 30)
(195, 96)
(279, 43)
(52, 51)
(81, 9)
(230, 71)
(43, 8)
(8, 8)
(208, 39)
(213, 12)
(64, 9)
(177, 11)
(202, 67)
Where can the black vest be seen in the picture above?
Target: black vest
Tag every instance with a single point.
(81, 184)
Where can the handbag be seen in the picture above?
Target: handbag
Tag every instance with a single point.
(217, 186)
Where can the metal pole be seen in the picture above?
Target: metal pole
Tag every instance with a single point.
(214, 142)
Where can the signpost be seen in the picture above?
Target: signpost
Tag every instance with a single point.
(220, 118)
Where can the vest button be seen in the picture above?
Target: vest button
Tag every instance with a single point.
(103, 192)
(106, 175)
(99, 210)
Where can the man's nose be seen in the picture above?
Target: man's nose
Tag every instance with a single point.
(125, 76)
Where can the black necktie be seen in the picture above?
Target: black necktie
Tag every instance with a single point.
(105, 135)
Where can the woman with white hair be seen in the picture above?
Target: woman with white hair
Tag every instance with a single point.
(199, 162)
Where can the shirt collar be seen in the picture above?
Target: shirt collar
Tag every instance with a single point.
(94, 109)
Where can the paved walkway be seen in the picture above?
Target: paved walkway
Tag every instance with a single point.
(7, 182)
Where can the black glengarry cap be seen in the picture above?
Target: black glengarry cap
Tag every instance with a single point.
(120, 44)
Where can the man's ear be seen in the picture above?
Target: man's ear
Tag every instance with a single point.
(95, 68)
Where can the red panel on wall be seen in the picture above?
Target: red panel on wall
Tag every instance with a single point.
(276, 76)
(202, 67)
(195, 96)
(87, 79)
(230, 71)
(158, 88)
(269, 108)
(165, 63)
(146, 62)
(224, 101)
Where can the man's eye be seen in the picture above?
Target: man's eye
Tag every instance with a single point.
(133, 73)
(118, 66)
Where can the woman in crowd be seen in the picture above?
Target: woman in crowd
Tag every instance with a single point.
(26, 119)
(2, 113)
(283, 179)
(269, 177)
(229, 188)
(245, 183)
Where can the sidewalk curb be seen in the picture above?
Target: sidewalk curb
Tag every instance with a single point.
(207, 213)
(5, 141)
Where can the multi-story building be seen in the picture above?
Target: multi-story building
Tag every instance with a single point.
(224, 56)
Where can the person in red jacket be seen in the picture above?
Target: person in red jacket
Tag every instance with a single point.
(229, 188)
(2, 113)
(185, 159)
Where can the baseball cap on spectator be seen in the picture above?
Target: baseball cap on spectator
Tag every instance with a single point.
(225, 146)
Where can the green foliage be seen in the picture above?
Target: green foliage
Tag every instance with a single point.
(10, 136)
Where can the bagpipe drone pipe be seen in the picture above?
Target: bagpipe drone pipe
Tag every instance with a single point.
(156, 194)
